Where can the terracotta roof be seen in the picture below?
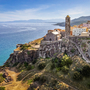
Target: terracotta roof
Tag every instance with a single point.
(62, 30)
(50, 30)
(72, 28)
(58, 29)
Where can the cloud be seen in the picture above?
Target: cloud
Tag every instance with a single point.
(44, 12)
(21, 14)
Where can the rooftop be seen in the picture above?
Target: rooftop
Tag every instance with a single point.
(55, 33)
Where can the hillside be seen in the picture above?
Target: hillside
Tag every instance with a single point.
(59, 72)
(76, 21)
(43, 76)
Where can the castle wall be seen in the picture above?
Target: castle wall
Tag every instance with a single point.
(49, 50)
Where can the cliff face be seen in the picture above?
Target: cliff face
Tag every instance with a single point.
(44, 51)
(24, 56)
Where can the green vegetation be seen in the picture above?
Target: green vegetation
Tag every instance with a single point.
(52, 66)
(7, 64)
(1, 78)
(29, 67)
(41, 66)
(30, 81)
(28, 53)
(15, 64)
(41, 79)
(34, 61)
(25, 47)
(66, 61)
(2, 88)
(25, 64)
(88, 41)
(84, 45)
(77, 76)
(37, 78)
(62, 63)
(88, 38)
(73, 50)
(65, 69)
(86, 71)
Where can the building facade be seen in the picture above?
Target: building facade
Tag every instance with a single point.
(52, 36)
(87, 24)
(78, 31)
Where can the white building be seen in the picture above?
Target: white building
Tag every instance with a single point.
(84, 34)
(78, 31)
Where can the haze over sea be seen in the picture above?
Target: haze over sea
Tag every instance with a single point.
(20, 33)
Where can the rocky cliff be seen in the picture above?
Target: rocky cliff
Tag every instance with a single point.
(45, 50)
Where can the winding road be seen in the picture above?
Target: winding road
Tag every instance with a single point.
(81, 52)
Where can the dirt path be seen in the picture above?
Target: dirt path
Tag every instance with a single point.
(14, 85)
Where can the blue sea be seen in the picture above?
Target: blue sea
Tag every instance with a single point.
(20, 33)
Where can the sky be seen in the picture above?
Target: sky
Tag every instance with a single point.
(11, 10)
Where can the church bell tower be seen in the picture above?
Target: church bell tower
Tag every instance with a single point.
(67, 26)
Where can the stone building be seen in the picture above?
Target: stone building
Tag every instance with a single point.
(67, 26)
(52, 36)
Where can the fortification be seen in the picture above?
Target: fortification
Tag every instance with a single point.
(67, 26)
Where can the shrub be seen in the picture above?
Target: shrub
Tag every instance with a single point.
(1, 78)
(25, 64)
(24, 47)
(56, 60)
(52, 66)
(15, 64)
(77, 76)
(79, 70)
(41, 66)
(7, 64)
(29, 67)
(37, 78)
(86, 71)
(54, 82)
(43, 79)
(65, 69)
(30, 81)
(88, 84)
(58, 69)
(66, 61)
(84, 45)
(34, 61)
(28, 53)
(2, 88)
(73, 50)
(40, 79)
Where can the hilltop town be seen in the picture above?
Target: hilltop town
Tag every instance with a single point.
(58, 61)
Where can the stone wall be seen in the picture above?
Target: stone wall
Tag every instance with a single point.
(53, 49)
(49, 50)
(78, 38)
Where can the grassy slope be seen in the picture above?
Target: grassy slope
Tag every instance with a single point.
(27, 76)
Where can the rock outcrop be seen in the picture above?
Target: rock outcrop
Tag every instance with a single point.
(23, 56)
